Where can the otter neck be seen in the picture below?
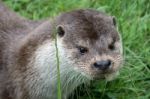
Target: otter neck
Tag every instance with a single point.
(45, 66)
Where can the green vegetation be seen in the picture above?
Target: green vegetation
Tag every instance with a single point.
(133, 18)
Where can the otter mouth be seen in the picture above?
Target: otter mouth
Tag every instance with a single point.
(104, 75)
(108, 76)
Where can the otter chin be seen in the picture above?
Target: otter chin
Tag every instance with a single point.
(89, 48)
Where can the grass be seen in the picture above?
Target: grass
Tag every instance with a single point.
(133, 18)
(58, 69)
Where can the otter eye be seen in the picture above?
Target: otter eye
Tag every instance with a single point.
(60, 31)
(82, 50)
(111, 46)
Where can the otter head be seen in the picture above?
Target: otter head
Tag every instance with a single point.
(90, 43)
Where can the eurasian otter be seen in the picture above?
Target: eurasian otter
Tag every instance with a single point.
(89, 47)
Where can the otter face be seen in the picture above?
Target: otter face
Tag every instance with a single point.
(90, 42)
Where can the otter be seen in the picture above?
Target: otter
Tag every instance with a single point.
(89, 48)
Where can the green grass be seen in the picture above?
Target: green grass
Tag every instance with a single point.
(133, 17)
(58, 68)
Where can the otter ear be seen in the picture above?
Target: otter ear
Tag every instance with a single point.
(114, 21)
(60, 30)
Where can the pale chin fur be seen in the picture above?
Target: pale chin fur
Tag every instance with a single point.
(44, 72)
(112, 76)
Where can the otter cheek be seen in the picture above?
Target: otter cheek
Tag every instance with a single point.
(117, 64)
(119, 47)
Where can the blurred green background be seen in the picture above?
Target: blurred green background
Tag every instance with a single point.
(133, 19)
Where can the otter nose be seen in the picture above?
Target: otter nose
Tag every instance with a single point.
(102, 65)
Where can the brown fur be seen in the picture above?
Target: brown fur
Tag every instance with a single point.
(13, 34)
(19, 39)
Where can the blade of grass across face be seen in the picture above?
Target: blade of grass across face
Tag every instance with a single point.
(58, 69)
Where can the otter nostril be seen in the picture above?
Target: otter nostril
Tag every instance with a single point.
(102, 65)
